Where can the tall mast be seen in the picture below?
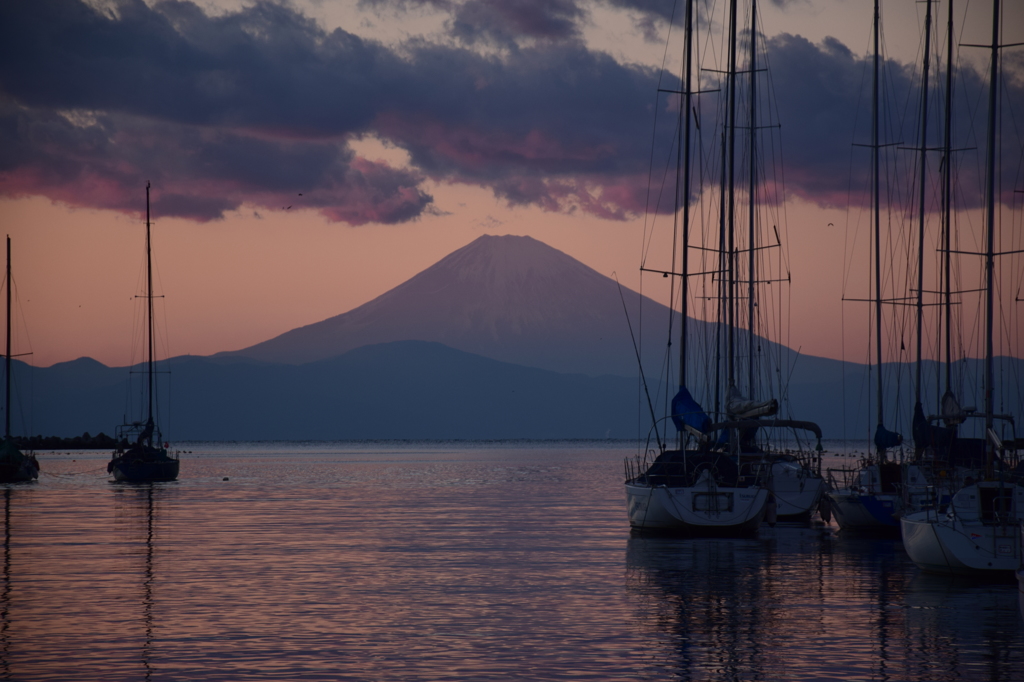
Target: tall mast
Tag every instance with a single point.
(920, 231)
(875, 200)
(7, 408)
(947, 174)
(724, 256)
(753, 195)
(684, 114)
(149, 319)
(990, 225)
(731, 268)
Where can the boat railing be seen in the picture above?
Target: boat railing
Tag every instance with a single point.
(807, 459)
(810, 460)
(679, 468)
(842, 478)
(756, 473)
(635, 467)
(128, 435)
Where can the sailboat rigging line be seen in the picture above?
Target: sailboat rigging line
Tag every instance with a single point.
(705, 248)
(752, 198)
(961, 291)
(772, 281)
(880, 146)
(667, 273)
(684, 112)
(645, 245)
(636, 349)
(643, 260)
(985, 253)
(753, 203)
(776, 204)
(149, 309)
(739, 72)
(7, 409)
(891, 301)
(684, 92)
(876, 205)
(923, 192)
(11, 288)
(947, 146)
(731, 129)
(990, 224)
(759, 248)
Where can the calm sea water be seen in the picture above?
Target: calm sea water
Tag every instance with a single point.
(452, 561)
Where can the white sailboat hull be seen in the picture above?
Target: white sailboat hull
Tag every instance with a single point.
(954, 546)
(696, 510)
(854, 510)
(797, 491)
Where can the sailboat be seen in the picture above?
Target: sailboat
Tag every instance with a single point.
(720, 479)
(980, 530)
(696, 488)
(794, 479)
(943, 459)
(141, 455)
(15, 466)
(871, 498)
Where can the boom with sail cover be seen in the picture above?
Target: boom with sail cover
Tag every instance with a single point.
(688, 415)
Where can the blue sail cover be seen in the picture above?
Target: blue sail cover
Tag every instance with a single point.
(885, 439)
(687, 412)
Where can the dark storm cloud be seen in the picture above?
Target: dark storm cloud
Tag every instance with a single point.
(504, 21)
(650, 16)
(249, 107)
(199, 173)
(820, 91)
(501, 22)
(824, 100)
(261, 101)
(265, 66)
(258, 105)
(659, 10)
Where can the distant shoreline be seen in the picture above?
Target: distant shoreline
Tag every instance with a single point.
(100, 441)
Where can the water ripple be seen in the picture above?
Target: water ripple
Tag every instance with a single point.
(425, 561)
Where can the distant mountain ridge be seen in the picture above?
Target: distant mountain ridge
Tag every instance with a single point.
(420, 389)
(503, 338)
(399, 390)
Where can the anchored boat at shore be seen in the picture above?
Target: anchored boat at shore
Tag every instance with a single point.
(15, 466)
(145, 458)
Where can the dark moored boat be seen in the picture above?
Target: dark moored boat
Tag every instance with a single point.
(141, 455)
(15, 466)
(145, 459)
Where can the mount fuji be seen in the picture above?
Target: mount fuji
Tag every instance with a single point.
(512, 299)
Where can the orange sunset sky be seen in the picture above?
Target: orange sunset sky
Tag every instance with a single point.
(422, 172)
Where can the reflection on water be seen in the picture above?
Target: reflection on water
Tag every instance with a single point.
(5, 594)
(698, 601)
(963, 626)
(453, 561)
(134, 506)
(807, 604)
